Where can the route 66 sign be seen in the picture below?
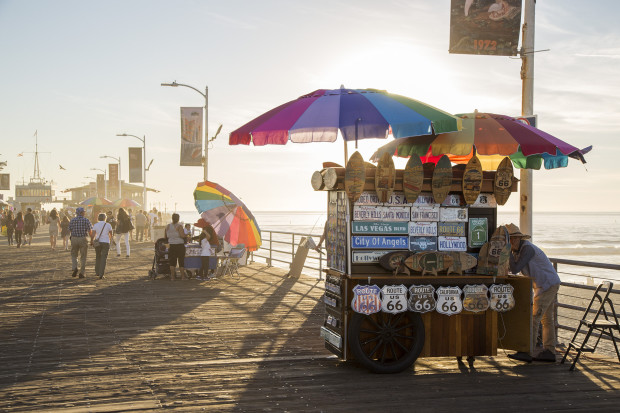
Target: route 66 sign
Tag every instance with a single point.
(475, 298)
(422, 298)
(502, 299)
(449, 300)
(366, 299)
(394, 299)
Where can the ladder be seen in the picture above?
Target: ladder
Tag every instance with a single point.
(604, 322)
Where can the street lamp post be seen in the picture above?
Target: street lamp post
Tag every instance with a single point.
(206, 96)
(105, 181)
(120, 181)
(143, 139)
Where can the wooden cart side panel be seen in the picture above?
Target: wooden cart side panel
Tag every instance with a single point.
(428, 342)
(517, 323)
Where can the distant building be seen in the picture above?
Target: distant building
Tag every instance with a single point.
(128, 191)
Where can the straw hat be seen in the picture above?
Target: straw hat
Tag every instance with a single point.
(514, 231)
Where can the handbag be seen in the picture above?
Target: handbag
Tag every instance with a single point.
(96, 242)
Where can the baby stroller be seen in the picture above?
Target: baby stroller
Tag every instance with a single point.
(161, 266)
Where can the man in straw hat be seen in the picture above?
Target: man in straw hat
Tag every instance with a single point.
(530, 260)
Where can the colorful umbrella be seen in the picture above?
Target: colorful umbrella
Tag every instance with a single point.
(492, 137)
(93, 200)
(125, 203)
(230, 218)
(357, 113)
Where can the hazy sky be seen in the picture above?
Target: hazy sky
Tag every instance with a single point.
(81, 71)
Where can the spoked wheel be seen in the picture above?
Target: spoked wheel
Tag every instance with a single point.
(386, 343)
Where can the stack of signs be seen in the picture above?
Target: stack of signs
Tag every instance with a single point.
(394, 299)
(451, 232)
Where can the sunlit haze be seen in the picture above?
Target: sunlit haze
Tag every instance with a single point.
(81, 72)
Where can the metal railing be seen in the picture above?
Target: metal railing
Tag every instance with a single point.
(279, 247)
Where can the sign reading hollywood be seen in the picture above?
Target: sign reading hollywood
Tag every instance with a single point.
(367, 257)
(426, 229)
(366, 299)
(422, 298)
(451, 229)
(394, 299)
(452, 244)
(475, 298)
(423, 243)
(361, 227)
(425, 213)
(448, 214)
(449, 300)
(502, 299)
(380, 242)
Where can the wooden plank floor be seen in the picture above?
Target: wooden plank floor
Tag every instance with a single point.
(128, 343)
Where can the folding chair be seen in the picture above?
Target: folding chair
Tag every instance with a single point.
(604, 325)
(231, 263)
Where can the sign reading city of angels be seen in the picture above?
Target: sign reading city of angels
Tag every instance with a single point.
(502, 299)
(366, 299)
(380, 242)
(394, 299)
(475, 298)
(422, 298)
(449, 300)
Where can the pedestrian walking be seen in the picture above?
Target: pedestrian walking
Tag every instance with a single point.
(29, 223)
(123, 226)
(64, 232)
(9, 222)
(54, 221)
(101, 242)
(140, 225)
(80, 228)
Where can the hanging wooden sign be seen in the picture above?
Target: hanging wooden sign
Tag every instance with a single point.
(503, 181)
(422, 298)
(449, 300)
(413, 176)
(355, 176)
(385, 177)
(442, 179)
(485, 201)
(394, 299)
(502, 298)
(395, 262)
(461, 262)
(472, 180)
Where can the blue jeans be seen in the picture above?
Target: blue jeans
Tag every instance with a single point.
(101, 256)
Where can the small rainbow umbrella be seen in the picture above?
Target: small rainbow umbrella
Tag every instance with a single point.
(230, 218)
(125, 203)
(492, 137)
(93, 200)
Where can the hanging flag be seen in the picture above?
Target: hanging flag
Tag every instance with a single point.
(101, 186)
(135, 164)
(191, 136)
(113, 181)
(5, 182)
(486, 28)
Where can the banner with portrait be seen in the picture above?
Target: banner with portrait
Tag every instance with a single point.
(191, 136)
(485, 27)
(113, 181)
(5, 182)
(101, 186)
(135, 164)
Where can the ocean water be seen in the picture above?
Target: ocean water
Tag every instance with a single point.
(592, 237)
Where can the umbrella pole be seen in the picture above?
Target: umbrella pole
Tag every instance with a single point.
(346, 154)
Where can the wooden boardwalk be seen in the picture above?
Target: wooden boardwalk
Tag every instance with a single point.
(250, 344)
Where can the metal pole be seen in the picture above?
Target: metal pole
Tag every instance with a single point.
(120, 181)
(527, 109)
(105, 184)
(144, 173)
(206, 166)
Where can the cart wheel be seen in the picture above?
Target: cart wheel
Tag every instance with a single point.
(386, 343)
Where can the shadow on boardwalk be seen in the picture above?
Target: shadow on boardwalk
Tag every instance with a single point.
(244, 344)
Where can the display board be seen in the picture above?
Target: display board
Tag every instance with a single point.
(336, 227)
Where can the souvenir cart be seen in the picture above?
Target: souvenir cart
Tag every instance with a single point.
(416, 265)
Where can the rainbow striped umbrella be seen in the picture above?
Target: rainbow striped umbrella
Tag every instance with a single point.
(125, 203)
(230, 218)
(93, 200)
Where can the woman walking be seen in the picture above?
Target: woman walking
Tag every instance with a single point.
(64, 232)
(54, 221)
(176, 252)
(9, 221)
(19, 229)
(123, 226)
(101, 242)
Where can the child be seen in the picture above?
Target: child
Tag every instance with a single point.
(205, 256)
(188, 233)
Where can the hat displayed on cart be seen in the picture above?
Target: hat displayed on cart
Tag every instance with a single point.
(514, 231)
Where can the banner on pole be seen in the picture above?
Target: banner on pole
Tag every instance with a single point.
(5, 182)
(135, 164)
(113, 181)
(191, 136)
(101, 186)
(485, 27)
